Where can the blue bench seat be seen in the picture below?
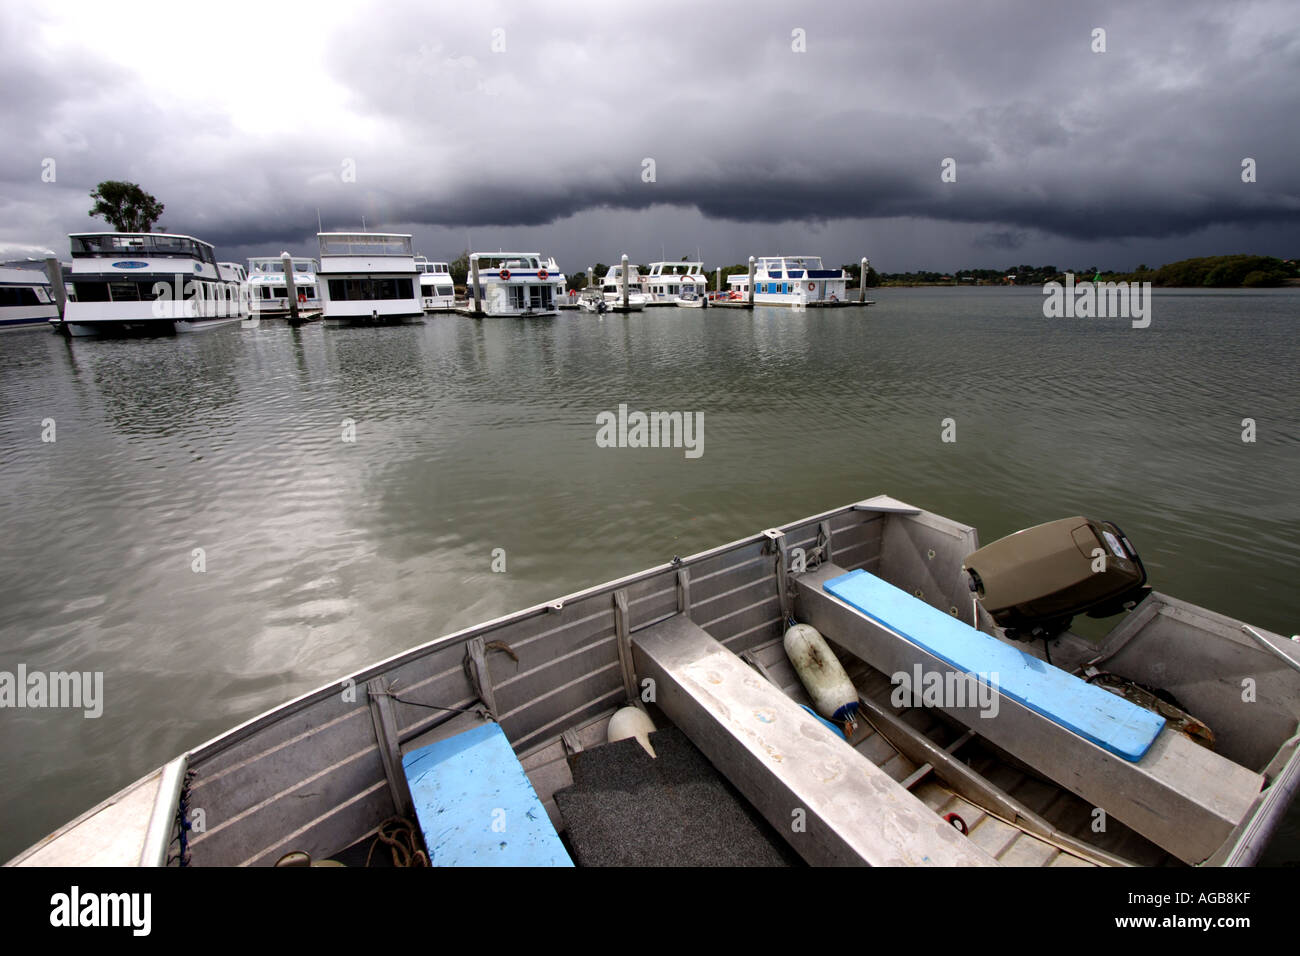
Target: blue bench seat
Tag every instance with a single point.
(476, 806)
(1109, 721)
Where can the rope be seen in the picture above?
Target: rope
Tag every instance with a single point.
(399, 836)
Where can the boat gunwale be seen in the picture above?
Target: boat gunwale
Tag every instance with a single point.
(215, 745)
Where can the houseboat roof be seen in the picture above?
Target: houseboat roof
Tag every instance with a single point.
(160, 244)
(397, 244)
(135, 235)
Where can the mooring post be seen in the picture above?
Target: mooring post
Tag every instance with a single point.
(751, 282)
(625, 282)
(54, 270)
(862, 281)
(290, 289)
(473, 278)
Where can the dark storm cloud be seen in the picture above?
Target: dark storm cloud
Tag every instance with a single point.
(1050, 139)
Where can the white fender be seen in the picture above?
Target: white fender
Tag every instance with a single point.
(833, 694)
(632, 722)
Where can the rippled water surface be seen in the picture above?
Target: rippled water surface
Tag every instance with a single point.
(323, 555)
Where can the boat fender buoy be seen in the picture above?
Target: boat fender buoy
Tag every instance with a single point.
(632, 722)
(822, 675)
(958, 822)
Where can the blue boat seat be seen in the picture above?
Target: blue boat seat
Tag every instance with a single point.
(476, 806)
(1109, 721)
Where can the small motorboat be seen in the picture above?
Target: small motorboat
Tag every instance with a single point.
(911, 697)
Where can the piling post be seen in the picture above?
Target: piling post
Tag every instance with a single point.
(751, 282)
(54, 270)
(290, 289)
(625, 282)
(862, 281)
(473, 278)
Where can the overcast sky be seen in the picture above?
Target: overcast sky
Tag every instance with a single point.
(528, 126)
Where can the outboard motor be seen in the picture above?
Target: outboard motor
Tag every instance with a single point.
(1034, 581)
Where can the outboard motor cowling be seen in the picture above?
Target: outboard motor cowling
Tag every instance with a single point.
(1034, 581)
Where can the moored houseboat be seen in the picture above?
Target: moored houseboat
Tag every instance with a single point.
(513, 284)
(665, 282)
(269, 291)
(437, 291)
(150, 283)
(368, 277)
(26, 300)
(791, 280)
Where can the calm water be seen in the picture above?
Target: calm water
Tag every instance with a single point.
(322, 555)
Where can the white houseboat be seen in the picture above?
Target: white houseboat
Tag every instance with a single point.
(791, 280)
(668, 281)
(513, 283)
(150, 282)
(270, 292)
(437, 293)
(25, 300)
(368, 277)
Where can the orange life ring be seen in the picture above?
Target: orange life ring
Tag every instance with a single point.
(505, 275)
(541, 273)
(812, 286)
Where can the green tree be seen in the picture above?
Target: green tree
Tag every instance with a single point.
(460, 268)
(125, 206)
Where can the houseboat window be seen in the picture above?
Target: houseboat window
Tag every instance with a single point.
(91, 291)
(355, 290)
(18, 295)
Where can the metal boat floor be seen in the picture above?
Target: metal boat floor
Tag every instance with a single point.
(1010, 845)
(626, 808)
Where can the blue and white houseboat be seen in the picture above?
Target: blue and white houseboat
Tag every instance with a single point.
(513, 283)
(791, 280)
